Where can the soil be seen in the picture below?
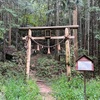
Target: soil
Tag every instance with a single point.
(45, 90)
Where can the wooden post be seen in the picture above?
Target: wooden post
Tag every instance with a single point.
(28, 53)
(85, 97)
(67, 48)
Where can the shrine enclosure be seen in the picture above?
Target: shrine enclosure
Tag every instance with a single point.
(66, 37)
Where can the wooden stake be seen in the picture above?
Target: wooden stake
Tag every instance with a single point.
(59, 47)
(48, 50)
(48, 42)
(28, 54)
(67, 47)
(38, 47)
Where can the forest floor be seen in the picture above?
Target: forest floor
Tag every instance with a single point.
(45, 90)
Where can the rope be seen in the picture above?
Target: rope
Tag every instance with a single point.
(48, 46)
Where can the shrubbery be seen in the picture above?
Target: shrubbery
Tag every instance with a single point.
(49, 68)
(10, 69)
(74, 89)
(13, 85)
(18, 89)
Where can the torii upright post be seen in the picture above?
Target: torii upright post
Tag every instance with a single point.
(28, 53)
(67, 48)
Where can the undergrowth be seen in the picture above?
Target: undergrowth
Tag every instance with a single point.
(49, 68)
(10, 69)
(13, 85)
(13, 89)
(74, 89)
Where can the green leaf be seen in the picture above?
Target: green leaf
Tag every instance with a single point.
(79, 2)
(97, 36)
(11, 12)
(49, 11)
(1, 22)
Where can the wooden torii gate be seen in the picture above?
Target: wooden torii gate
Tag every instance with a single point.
(66, 37)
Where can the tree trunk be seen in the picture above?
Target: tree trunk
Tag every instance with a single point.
(88, 26)
(57, 23)
(75, 34)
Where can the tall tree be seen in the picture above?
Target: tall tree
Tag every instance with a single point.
(75, 34)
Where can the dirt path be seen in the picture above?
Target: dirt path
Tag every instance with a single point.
(45, 90)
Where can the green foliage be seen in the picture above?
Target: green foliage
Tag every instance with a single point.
(14, 68)
(82, 52)
(97, 36)
(10, 11)
(32, 13)
(50, 11)
(12, 83)
(18, 89)
(8, 16)
(93, 89)
(2, 29)
(9, 69)
(73, 90)
(19, 58)
(48, 68)
(94, 8)
(72, 3)
(79, 2)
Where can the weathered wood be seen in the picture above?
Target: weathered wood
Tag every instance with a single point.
(37, 38)
(48, 50)
(58, 47)
(58, 37)
(62, 37)
(48, 46)
(49, 27)
(28, 54)
(67, 47)
(66, 37)
(24, 38)
(38, 48)
(54, 37)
